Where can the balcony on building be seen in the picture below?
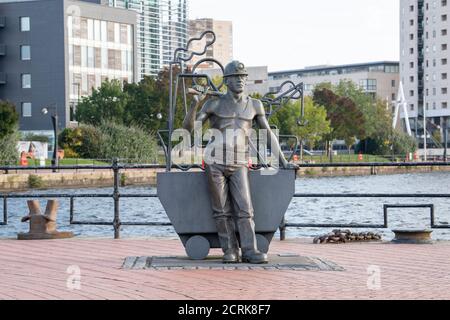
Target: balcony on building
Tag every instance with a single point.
(2, 78)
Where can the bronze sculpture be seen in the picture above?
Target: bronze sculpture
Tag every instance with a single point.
(233, 114)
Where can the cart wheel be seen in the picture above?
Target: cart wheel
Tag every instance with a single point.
(197, 248)
(262, 243)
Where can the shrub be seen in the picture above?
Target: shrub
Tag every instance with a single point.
(9, 119)
(35, 182)
(130, 143)
(110, 140)
(8, 149)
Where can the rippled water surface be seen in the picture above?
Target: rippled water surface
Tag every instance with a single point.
(301, 210)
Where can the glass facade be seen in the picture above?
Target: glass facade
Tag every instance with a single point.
(162, 29)
(98, 50)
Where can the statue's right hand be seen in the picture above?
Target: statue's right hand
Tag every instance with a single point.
(199, 93)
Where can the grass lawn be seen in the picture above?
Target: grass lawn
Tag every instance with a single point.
(348, 158)
(69, 162)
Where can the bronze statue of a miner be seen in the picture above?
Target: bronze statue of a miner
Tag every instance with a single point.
(233, 114)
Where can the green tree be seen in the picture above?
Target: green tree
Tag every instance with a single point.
(373, 109)
(346, 120)
(9, 119)
(108, 102)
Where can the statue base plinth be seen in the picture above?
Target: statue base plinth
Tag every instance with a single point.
(45, 236)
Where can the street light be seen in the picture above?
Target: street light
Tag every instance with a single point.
(45, 111)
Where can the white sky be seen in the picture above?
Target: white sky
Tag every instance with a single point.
(292, 34)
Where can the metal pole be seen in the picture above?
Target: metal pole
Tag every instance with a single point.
(169, 153)
(5, 210)
(116, 196)
(445, 126)
(424, 131)
(283, 229)
(71, 210)
(55, 160)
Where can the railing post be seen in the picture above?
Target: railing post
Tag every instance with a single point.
(433, 225)
(283, 229)
(5, 210)
(385, 216)
(116, 196)
(71, 209)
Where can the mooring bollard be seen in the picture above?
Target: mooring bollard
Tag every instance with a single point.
(42, 226)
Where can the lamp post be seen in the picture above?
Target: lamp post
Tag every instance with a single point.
(445, 126)
(54, 116)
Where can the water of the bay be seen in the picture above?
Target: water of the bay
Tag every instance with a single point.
(301, 210)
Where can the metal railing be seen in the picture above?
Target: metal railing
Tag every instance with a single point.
(116, 195)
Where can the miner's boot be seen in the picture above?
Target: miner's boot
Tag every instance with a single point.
(250, 253)
(228, 241)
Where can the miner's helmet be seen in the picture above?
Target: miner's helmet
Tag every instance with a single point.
(235, 68)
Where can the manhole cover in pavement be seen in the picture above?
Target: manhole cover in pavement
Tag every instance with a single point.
(276, 262)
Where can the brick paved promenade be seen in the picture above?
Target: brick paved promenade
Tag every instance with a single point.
(38, 270)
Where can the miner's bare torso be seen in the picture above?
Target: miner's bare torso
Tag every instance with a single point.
(234, 120)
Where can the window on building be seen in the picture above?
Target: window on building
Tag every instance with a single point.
(444, 32)
(411, 93)
(411, 50)
(26, 80)
(26, 109)
(434, 91)
(25, 53)
(123, 34)
(76, 87)
(411, 79)
(443, 90)
(411, 22)
(393, 97)
(83, 28)
(444, 46)
(110, 27)
(77, 56)
(444, 61)
(444, 76)
(368, 84)
(411, 8)
(411, 107)
(443, 3)
(411, 65)
(393, 83)
(25, 24)
(444, 105)
(98, 58)
(444, 17)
